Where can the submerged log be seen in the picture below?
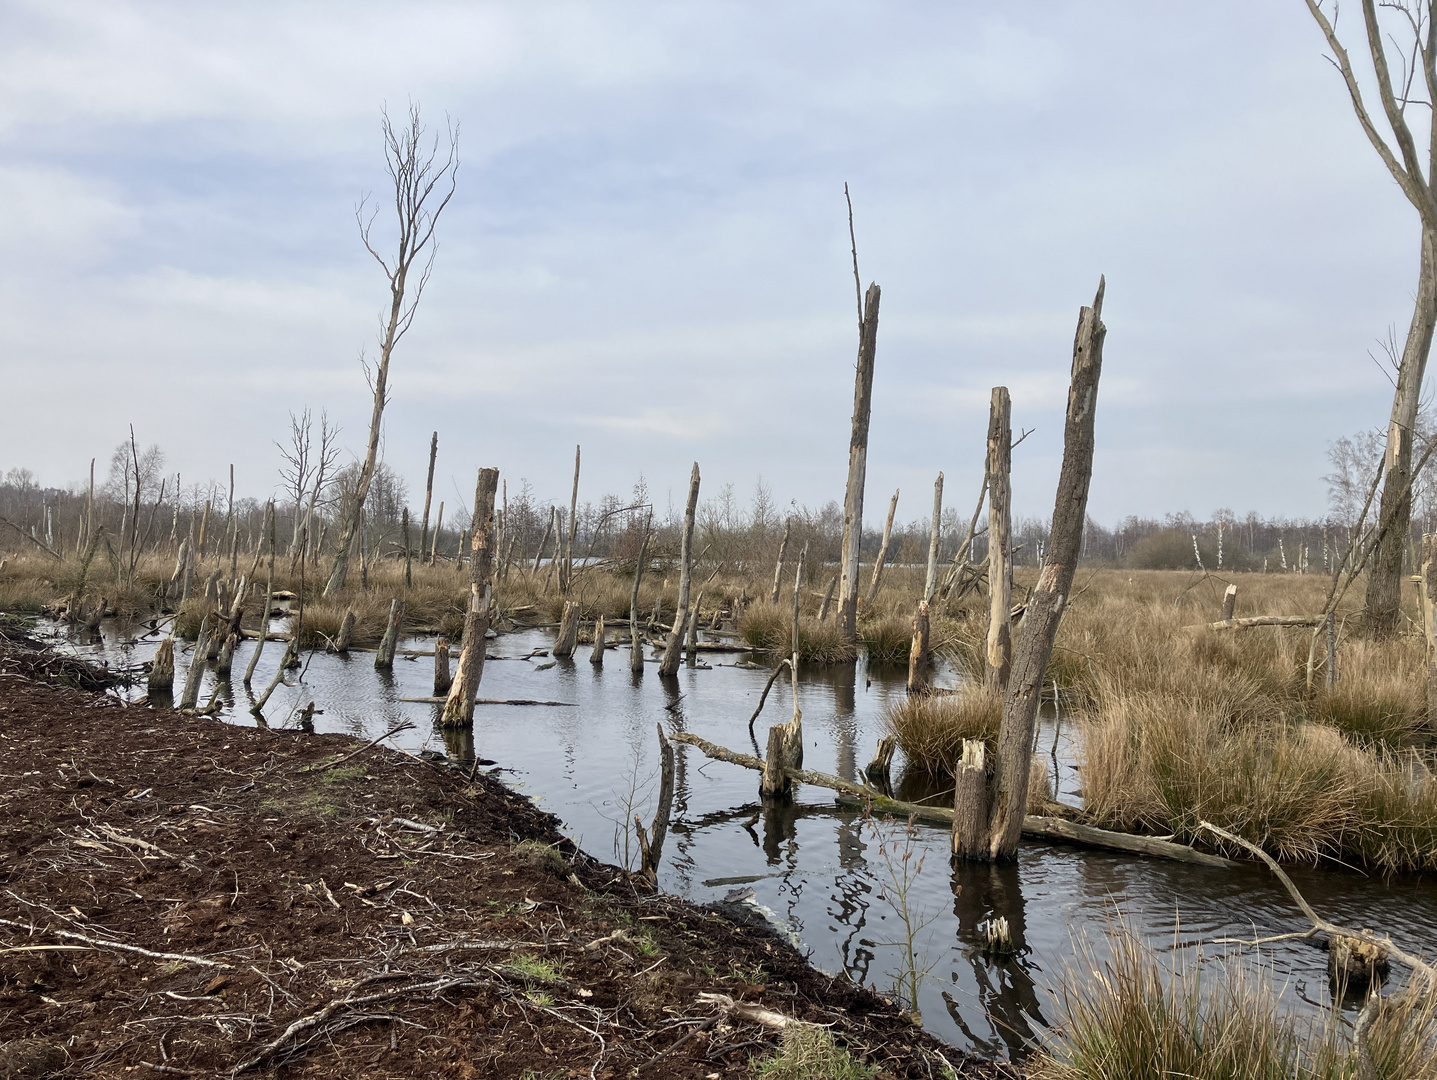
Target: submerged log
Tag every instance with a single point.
(1052, 828)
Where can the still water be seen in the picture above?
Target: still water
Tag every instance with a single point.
(817, 865)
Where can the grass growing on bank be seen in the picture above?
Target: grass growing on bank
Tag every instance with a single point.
(770, 627)
(1126, 1018)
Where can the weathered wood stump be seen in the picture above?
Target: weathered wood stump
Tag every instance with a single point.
(224, 662)
(970, 802)
(384, 658)
(442, 679)
(568, 637)
(878, 769)
(162, 670)
(1354, 964)
(596, 657)
(346, 632)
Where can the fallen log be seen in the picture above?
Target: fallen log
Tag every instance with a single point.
(1260, 620)
(491, 701)
(1051, 828)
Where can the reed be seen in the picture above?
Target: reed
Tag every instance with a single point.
(931, 728)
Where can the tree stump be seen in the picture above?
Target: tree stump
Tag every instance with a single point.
(346, 632)
(920, 662)
(442, 679)
(596, 657)
(384, 658)
(970, 802)
(190, 697)
(1229, 602)
(224, 662)
(162, 670)
(878, 769)
(568, 636)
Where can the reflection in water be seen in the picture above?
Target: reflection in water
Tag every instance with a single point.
(808, 860)
(983, 892)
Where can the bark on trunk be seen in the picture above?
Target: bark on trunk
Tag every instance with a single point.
(1384, 582)
(827, 599)
(190, 696)
(438, 524)
(268, 595)
(459, 707)
(673, 648)
(566, 571)
(970, 802)
(1050, 594)
(636, 643)
(1429, 623)
(1000, 543)
(857, 469)
(346, 632)
(162, 669)
(882, 551)
(596, 656)
(1229, 602)
(651, 843)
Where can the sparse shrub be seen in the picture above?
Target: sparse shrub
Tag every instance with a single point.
(810, 1053)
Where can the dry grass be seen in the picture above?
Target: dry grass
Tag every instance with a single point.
(887, 639)
(1127, 1018)
(769, 627)
(931, 728)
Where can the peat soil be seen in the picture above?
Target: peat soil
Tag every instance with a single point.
(179, 897)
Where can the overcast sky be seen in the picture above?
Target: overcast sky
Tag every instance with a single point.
(648, 250)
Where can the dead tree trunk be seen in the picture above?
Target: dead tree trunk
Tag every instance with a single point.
(636, 643)
(264, 614)
(827, 598)
(190, 696)
(970, 802)
(428, 494)
(1050, 594)
(442, 679)
(691, 632)
(566, 571)
(930, 579)
(1000, 543)
(920, 662)
(346, 632)
(434, 544)
(778, 568)
(596, 655)
(418, 176)
(651, 843)
(882, 551)
(459, 707)
(857, 469)
(1330, 629)
(1229, 602)
(162, 669)
(548, 531)
(224, 662)
(384, 658)
(568, 637)
(673, 650)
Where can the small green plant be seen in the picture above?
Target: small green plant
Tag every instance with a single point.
(531, 967)
(809, 1053)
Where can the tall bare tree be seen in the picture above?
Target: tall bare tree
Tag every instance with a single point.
(423, 185)
(1410, 30)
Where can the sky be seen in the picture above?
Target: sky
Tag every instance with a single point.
(648, 255)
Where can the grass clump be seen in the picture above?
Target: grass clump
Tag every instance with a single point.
(542, 857)
(931, 728)
(887, 639)
(1126, 1018)
(769, 627)
(810, 1053)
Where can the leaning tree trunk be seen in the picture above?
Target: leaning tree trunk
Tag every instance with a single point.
(1384, 580)
(673, 649)
(778, 567)
(857, 469)
(930, 579)
(1000, 543)
(459, 706)
(879, 562)
(428, 494)
(636, 643)
(1048, 598)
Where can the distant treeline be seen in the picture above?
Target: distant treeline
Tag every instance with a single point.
(136, 501)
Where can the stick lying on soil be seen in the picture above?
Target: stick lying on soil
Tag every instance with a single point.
(1052, 828)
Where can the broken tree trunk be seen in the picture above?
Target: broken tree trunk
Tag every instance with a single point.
(1330, 629)
(1429, 623)
(970, 802)
(827, 599)
(920, 662)
(778, 568)
(651, 844)
(785, 741)
(1229, 603)
(190, 696)
(543, 542)
(596, 657)
(857, 469)
(566, 571)
(459, 707)
(384, 658)
(930, 579)
(224, 662)
(1049, 596)
(442, 679)
(428, 494)
(691, 631)
(438, 524)
(636, 643)
(672, 649)
(346, 632)
(161, 679)
(268, 595)
(882, 551)
(567, 639)
(999, 656)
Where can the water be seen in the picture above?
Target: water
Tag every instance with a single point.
(816, 864)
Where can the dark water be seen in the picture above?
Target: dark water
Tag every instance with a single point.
(819, 866)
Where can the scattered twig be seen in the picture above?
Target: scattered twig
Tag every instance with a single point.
(395, 730)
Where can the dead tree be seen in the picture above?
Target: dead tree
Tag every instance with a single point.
(1414, 169)
(930, 579)
(920, 659)
(566, 570)
(384, 657)
(651, 842)
(778, 567)
(882, 551)
(267, 529)
(442, 679)
(673, 648)
(423, 186)
(857, 467)
(1046, 602)
(459, 707)
(1000, 543)
(567, 638)
(428, 493)
(636, 642)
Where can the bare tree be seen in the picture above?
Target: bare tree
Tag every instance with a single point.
(423, 185)
(296, 469)
(1409, 28)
